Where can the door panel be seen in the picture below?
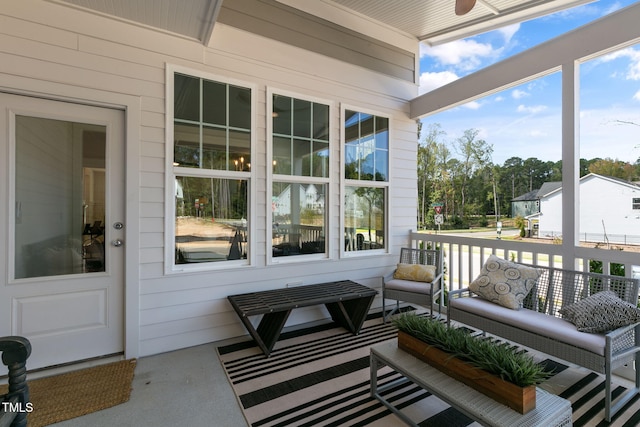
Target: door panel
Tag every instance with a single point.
(63, 286)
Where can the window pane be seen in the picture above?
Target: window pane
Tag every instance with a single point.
(320, 161)
(211, 222)
(186, 105)
(281, 115)
(301, 157)
(60, 188)
(382, 133)
(381, 166)
(351, 126)
(186, 151)
(352, 166)
(302, 118)
(299, 221)
(366, 147)
(281, 155)
(239, 150)
(366, 126)
(239, 107)
(214, 100)
(223, 136)
(364, 218)
(303, 154)
(214, 148)
(321, 122)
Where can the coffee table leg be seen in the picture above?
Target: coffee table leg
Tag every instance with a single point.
(375, 363)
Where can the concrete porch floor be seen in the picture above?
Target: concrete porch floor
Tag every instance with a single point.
(189, 388)
(185, 387)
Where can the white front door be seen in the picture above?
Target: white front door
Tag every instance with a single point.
(61, 228)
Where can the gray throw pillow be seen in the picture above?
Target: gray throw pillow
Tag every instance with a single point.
(504, 282)
(601, 312)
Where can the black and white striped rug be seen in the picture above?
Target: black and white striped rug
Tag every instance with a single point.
(320, 376)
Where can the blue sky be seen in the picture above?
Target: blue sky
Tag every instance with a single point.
(525, 121)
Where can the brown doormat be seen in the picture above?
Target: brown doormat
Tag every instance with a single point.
(73, 394)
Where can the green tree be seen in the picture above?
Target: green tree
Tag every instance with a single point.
(475, 154)
(428, 169)
(614, 168)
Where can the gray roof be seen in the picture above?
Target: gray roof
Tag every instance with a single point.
(549, 187)
(531, 195)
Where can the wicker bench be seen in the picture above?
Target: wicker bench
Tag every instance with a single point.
(348, 304)
(15, 351)
(538, 325)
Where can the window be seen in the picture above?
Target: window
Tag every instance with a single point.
(211, 165)
(636, 203)
(300, 159)
(366, 173)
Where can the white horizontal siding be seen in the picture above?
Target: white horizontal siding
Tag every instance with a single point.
(44, 44)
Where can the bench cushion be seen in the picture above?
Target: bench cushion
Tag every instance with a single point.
(532, 321)
(409, 286)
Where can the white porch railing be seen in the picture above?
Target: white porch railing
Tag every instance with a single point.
(464, 256)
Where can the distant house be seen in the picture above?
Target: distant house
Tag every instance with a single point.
(525, 205)
(610, 210)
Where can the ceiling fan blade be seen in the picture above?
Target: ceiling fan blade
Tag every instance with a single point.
(464, 6)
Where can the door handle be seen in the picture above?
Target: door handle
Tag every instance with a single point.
(117, 243)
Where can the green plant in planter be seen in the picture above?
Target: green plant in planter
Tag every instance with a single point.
(501, 359)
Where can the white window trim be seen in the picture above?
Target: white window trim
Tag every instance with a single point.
(356, 182)
(171, 172)
(330, 208)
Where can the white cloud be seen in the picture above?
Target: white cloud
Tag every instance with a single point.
(531, 109)
(637, 96)
(464, 54)
(431, 81)
(473, 105)
(519, 94)
(633, 55)
(508, 32)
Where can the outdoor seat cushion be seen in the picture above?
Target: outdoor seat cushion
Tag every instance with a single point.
(532, 321)
(409, 286)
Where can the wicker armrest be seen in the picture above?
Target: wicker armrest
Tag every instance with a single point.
(622, 341)
(388, 276)
(437, 279)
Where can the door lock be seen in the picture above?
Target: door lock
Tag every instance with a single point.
(118, 225)
(117, 243)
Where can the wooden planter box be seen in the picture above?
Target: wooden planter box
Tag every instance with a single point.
(521, 399)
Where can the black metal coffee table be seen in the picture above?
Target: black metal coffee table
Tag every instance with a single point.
(348, 303)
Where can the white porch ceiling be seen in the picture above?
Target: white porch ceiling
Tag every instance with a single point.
(432, 21)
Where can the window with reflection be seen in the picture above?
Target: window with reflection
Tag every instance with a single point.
(300, 161)
(366, 147)
(212, 164)
(366, 171)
